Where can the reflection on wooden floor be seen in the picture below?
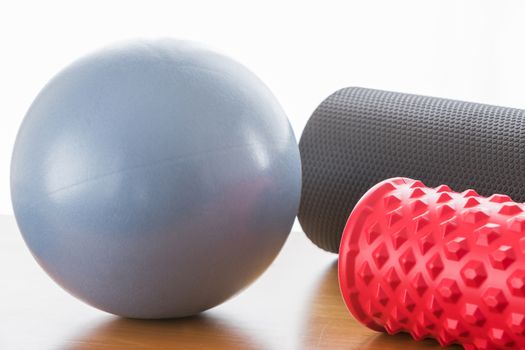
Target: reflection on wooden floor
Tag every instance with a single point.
(198, 332)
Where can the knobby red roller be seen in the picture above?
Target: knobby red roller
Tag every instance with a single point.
(436, 263)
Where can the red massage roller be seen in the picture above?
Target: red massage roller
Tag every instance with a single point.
(437, 264)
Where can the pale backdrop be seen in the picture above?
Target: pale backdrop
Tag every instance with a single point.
(470, 50)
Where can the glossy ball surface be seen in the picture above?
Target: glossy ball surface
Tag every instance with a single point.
(155, 179)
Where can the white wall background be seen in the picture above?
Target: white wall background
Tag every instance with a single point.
(470, 50)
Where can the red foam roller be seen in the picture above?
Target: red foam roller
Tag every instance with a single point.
(436, 264)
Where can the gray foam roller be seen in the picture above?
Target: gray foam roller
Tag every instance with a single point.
(155, 179)
(358, 137)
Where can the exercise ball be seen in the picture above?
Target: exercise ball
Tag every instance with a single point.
(155, 179)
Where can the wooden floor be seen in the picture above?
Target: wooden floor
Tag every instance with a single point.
(294, 305)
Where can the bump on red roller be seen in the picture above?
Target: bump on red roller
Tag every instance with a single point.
(437, 264)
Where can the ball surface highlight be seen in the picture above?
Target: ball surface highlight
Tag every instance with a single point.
(155, 179)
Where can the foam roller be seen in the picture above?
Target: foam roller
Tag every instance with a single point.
(358, 137)
(436, 263)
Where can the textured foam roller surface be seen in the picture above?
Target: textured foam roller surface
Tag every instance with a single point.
(358, 137)
(437, 263)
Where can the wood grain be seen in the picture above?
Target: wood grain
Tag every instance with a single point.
(294, 305)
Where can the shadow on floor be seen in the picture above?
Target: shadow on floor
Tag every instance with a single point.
(404, 341)
(195, 332)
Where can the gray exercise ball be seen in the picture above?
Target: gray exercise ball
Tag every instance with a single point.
(155, 179)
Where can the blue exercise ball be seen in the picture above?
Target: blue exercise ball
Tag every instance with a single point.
(155, 179)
